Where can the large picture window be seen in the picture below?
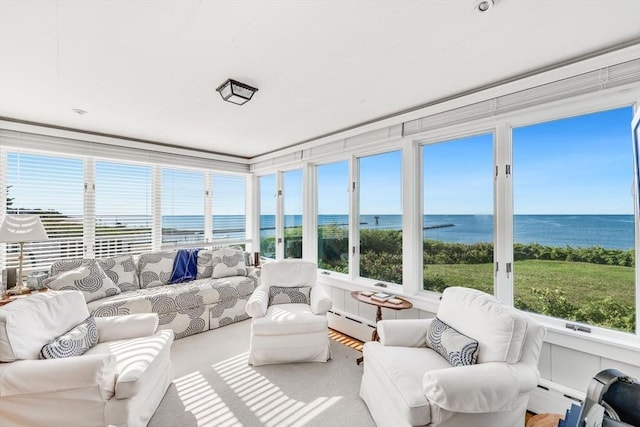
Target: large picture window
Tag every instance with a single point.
(458, 214)
(333, 216)
(380, 202)
(573, 223)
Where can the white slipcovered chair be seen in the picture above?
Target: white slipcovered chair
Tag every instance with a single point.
(290, 328)
(118, 382)
(406, 383)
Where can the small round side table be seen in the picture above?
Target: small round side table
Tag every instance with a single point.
(404, 304)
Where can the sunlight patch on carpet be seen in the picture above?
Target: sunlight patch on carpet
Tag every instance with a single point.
(266, 400)
(199, 398)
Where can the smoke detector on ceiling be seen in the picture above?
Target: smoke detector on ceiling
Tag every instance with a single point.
(484, 6)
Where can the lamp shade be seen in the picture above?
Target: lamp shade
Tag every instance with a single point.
(22, 228)
(236, 92)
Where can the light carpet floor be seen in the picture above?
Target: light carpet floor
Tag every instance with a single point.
(214, 386)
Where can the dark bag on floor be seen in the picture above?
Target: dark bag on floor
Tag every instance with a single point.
(618, 394)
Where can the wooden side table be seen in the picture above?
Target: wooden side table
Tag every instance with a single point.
(380, 305)
(10, 298)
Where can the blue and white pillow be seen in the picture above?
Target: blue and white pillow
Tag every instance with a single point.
(457, 348)
(289, 295)
(74, 342)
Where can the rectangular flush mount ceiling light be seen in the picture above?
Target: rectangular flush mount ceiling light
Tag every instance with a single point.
(236, 92)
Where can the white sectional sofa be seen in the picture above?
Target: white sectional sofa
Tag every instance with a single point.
(123, 285)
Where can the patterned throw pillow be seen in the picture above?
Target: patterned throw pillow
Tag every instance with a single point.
(228, 262)
(289, 295)
(68, 265)
(457, 348)
(122, 271)
(155, 268)
(205, 264)
(87, 278)
(74, 342)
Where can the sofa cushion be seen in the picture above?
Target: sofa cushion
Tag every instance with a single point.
(167, 299)
(205, 264)
(74, 342)
(500, 330)
(88, 278)
(289, 273)
(228, 262)
(154, 268)
(29, 323)
(400, 370)
(122, 271)
(289, 295)
(68, 265)
(458, 349)
(289, 319)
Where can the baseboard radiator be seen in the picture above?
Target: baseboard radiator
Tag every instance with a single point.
(351, 325)
(548, 397)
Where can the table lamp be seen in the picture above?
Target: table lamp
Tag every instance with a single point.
(21, 229)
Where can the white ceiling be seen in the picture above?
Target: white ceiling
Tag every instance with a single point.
(149, 69)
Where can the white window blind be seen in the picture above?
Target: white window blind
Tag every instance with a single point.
(123, 209)
(182, 206)
(53, 188)
(228, 207)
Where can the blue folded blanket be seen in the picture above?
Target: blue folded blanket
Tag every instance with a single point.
(185, 266)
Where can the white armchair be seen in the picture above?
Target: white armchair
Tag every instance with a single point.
(294, 327)
(406, 383)
(118, 382)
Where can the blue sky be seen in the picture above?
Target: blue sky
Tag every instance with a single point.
(579, 165)
(333, 188)
(458, 176)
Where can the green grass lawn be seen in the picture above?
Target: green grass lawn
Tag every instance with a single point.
(599, 294)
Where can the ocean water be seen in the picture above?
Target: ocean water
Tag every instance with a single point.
(607, 231)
